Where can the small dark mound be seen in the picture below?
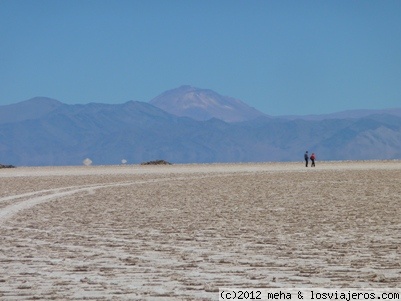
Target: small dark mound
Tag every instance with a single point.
(6, 166)
(156, 162)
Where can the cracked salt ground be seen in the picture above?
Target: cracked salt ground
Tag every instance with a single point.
(181, 232)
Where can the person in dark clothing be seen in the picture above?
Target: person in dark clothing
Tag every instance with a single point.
(306, 157)
(312, 158)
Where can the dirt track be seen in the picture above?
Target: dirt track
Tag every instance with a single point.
(180, 232)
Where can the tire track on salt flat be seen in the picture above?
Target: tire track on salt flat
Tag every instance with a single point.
(43, 193)
(28, 194)
(9, 211)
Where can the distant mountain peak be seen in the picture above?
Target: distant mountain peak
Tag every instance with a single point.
(204, 104)
(33, 108)
(43, 101)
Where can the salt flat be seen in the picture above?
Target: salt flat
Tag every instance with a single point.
(180, 232)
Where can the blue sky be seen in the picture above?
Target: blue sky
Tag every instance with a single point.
(281, 57)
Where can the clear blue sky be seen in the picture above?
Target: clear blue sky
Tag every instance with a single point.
(281, 57)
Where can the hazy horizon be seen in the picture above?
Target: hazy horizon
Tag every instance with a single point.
(147, 101)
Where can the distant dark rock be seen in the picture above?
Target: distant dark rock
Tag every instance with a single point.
(156, 162)
(6, 166)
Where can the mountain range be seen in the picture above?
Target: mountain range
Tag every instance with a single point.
(188, 125)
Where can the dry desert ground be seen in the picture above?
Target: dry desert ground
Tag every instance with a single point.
(180, 232)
